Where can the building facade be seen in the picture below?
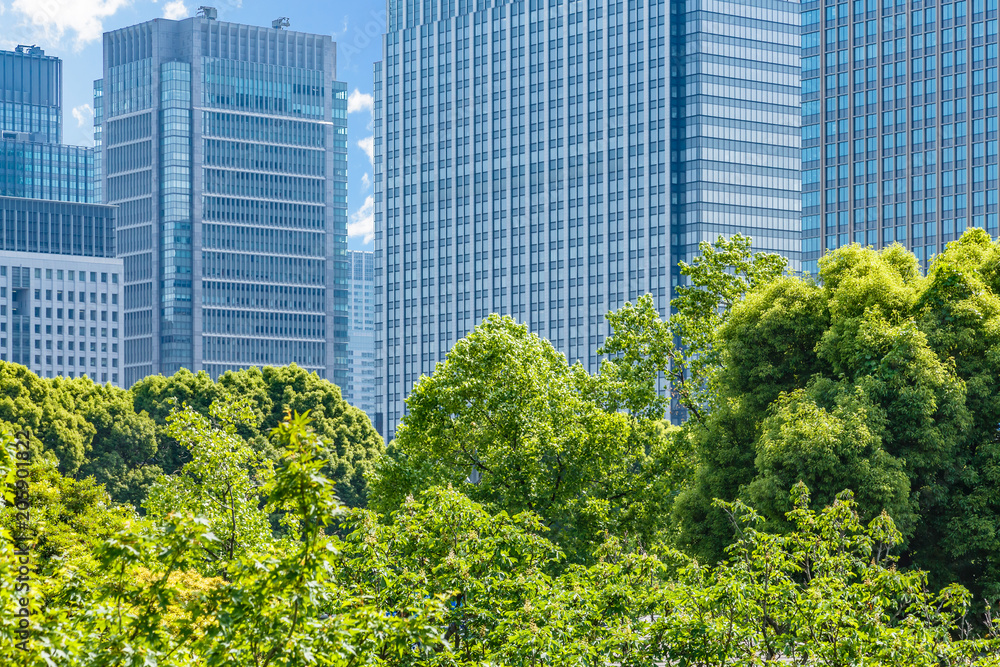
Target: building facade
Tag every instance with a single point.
(60, 286)
(60, 279)
(553, 160)
(45, 171)
(360, 388)
(31, 94)
(899, 124)
(224, 146)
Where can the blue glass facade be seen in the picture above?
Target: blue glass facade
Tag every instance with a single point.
(899, 123)
(33, 164)
(59, 276)
(737, 111)
(31, 94)
(360, 388)
(551, 160)
(225, 147)
(46, 171)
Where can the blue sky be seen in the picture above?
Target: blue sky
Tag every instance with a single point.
(71, 30)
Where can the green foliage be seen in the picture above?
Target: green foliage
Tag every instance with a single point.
(645, 349)
(878, 380)
(122, 438)
(220, 484)
(139, 599)
(826, 593)
(506, 420)
(68, 518)
(350, 443)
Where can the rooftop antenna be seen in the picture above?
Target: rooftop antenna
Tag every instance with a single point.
(211, 13)
(280, 22)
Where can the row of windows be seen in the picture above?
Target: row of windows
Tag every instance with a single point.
(129, 86)
(920, 206)
(265, 240)
(32, 118)
(271, 213)
(270, 186)
(957, 35)
(138, 267)
(71, 345)
(70, 295)
(134, 211)
(263, 129)
(71, 362)
(263, 157)
(256, 268)
(257, 87)
(130, 185)
(949, 11)
(920, 234)
(70, 233)
(137, 155)
(71, 314)
(124, 130)
(251, 323)
(868, 77)
(263, 296)
(58, 274)
(263, 352)
(59, 329)
(41, 171)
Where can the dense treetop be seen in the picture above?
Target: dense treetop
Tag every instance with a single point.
(121, 437)
(872, 378)
(832, 497)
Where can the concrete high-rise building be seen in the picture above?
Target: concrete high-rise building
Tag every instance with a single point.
(60, 288)
(225, 148)
(553, 159)
(899, 124)
(360, 388)
(60, 281)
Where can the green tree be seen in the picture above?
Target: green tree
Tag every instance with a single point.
(221, 484)
(827, 592)
(861, 381)
(351, 443)
(92, 430)
(510, 423)
(646, 349)
(443, 582)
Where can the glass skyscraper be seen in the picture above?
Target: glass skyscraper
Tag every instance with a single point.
(360, 388)
(33, 163)
(551, 160)
(225, 148)
(31, 94)
(899, 123)
(60, 280)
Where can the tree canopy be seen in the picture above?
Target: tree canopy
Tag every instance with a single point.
(122, 437)
(506, 420)
(832, 496)
(873, 378)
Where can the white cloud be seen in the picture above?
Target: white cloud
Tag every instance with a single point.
(359, 101)
(366, 180)
(368, 146)
(84, 115)
(175, 9)
(48, 21)
(337, 34)
(362, 221)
